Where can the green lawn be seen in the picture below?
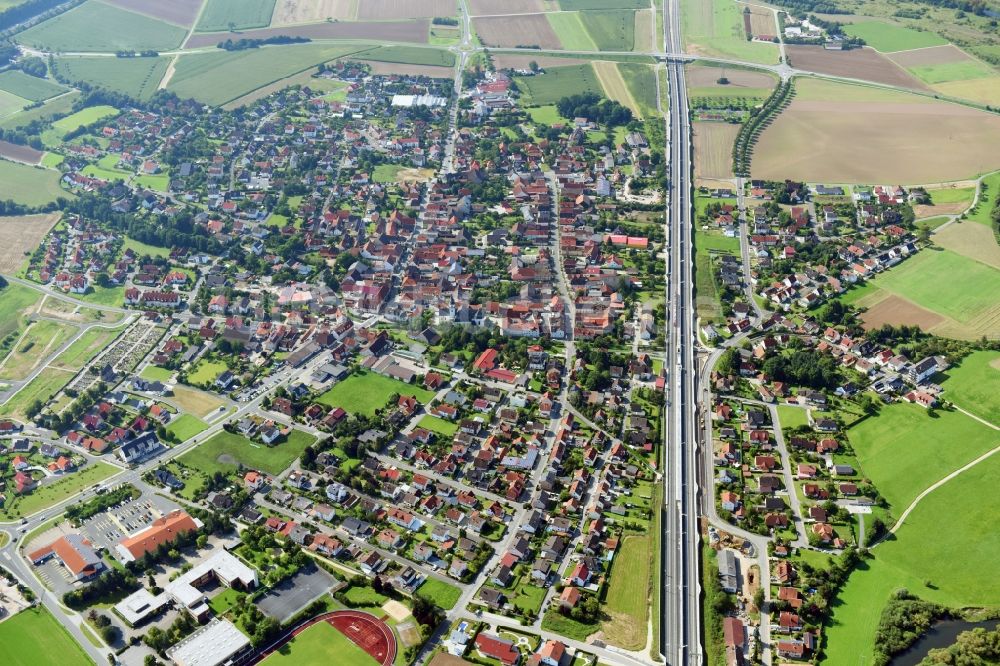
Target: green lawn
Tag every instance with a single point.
(932, 222)
(185, 426)
(947, 526)
(365, 596)
(715, 27)
(571, 31)
(42, 338)
(321, 644)
(95, 26)
(887, 37)
(29, 87)
(546, 115)
(440, 593)
(206, 372)
(991, 188)
(411, 55)
(113, 296)
(156, 373)
(11, 104)
(221, 15)
(438, 425)
(792, 416)
(365, 393)
(904, 449)
(45, 385)
(135, 77)
(628, 594)
(611, 30)
(143, 249)
(30, 186)
(51, 109)
(33, 637)
(952, 71)
(974, 385)
(16, 301)
(224, 451)
(947, 195)
(386, 173)
(558, 623)
(53, 493)
(223, 601)
(559, 82)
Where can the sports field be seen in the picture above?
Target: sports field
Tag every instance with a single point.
(904, 450)
(28, 185)
(628, 594)
(33, 637)
(889, 38)
(974, 385)
(320, 644)
(221, 15)
(366, 393)
(95, 26)
(559, 82)
(136, 77)
(29, 87)
(715, 28)
(224, 451)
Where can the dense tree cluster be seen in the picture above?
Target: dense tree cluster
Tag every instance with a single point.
(111, 583)
(25, 11)
(595, 108)
(804, 367)
(973, 648)
(759, 120)
(244, 44)
(905, 619)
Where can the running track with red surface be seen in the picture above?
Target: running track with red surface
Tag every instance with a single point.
(364, 630)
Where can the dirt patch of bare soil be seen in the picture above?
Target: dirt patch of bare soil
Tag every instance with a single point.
(864, 64)
(19, 153)
(898, 311)
(699, 76)
(935, 55)
(511, 31)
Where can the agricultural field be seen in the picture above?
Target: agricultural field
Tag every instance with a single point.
(641, 83)
(39, 340)
(31, 186)
(217, 78)
(412, 55)
(615, 87)
(713, 149)
(610, 30)
(901, 450)
(954, 515)
(379, 10)
(703, 81)
(559, 82)
(83, 117)
(984, 91)
(288, 12)
(972, 385)
(135, 77)
(320, 644)
(627, 599)
(95, 26)
(572, 33)
(864, 63)
(226, 450)
(975, 241)
(856, 134)
(21, 234)
(951, 295)
(521, 30)
(889, 38)
(34, 637)
(178, 12)
(369, 392)
(222, 15)
(949, 200)
(29, 87)
(376, 31)
(52, 108)
(571, 5)
(491, 7)
(715, 28)
(952, 71)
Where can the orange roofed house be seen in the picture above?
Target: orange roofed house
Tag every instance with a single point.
(162, 531)
(75, 553)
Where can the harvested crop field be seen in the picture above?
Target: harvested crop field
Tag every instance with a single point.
(972, 240)
(402, 9)
(389, 31)
(645, 31)
(308, 11)
(934, 55)
(19, 153)
(834, 132)
(614, 85)
(701, 76)
(22, 234)
(490, 7)
(179, 12)
(518, 61)
(863, 63)
(762, 22)
(713, 149)
(412, 70)
(899, 312)
(511, 31)
(986, 91)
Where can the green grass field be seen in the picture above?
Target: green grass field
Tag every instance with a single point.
(135, 77)
(445, 428)
(185, 426)
(143, 249)
(412, 55)
(611, 30)
(973, 385)
(31, 186)
(11, 104)
(947, 526)
(225, 450)
(84, 117)
(559, 82)
(571, 31)
(888, 38)
(904, 449)
(15, 302)
(791, 417)
(220, 15)
(53, 493)
(52, 108)
(440, 593)
(206, 372)
(321, 644)
(715, 28)
(628, 594)
(86, 347)
(156, 373)
(948, 195)
(222, 76)
(48, 382)
(571, 5)
(990, 192)
(366, 393)
(385, 173)
(547, 115)
(95, 26)
(952, 71)
(41, 339)
(641, 83)
(29, 87)
(33, 638)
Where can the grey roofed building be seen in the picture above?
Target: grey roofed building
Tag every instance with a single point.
(728, 571)
(215, 643)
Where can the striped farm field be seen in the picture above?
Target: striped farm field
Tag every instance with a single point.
(614, 85)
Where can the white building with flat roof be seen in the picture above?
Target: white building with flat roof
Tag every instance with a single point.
(215, 643)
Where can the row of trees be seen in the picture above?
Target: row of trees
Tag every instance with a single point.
(751, 129)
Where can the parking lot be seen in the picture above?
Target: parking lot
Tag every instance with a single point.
(296, 593)
(106, 529)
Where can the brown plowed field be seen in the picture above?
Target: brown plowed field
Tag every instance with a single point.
(403, 9)
(699, 76)
(179, 12)
(516, 61)
(865, 64)
(713, 149)
(390, 31)
(20, 236)
(19, 153)
(487, 7)
(510, 31)
(935, 55)
(900, 312)
(307, 11)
